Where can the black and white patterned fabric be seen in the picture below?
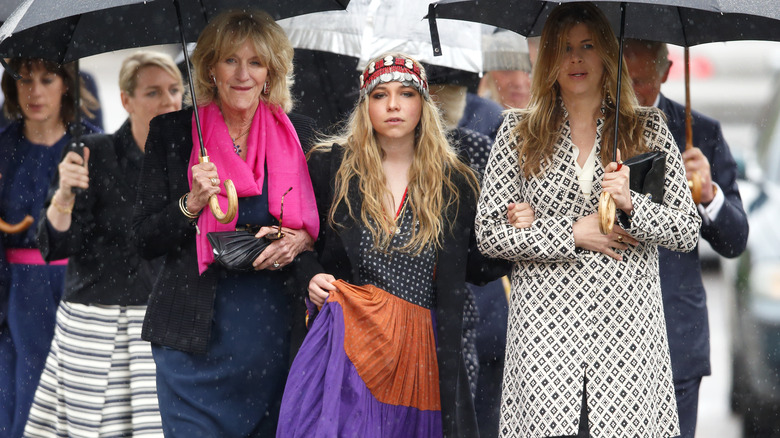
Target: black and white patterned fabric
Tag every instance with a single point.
(404, 275)
(576, 313)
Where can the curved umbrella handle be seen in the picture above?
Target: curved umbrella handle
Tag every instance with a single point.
(230, 189)
(606, 213)
(20, 227)
(227, 217)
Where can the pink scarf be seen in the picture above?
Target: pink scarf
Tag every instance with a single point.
(272, 143)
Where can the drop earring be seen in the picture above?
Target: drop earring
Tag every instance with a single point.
(214, 80)
(266, 88)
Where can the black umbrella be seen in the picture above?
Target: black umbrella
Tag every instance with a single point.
(65, 31)
(680, 22)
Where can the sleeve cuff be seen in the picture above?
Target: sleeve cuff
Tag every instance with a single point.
(711, 211)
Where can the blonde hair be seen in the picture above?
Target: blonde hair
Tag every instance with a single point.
(431, 190)
(539, 125)
(224, 34)
(128, 73)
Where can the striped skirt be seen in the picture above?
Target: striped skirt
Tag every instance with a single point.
(367, 368)
(99, 379)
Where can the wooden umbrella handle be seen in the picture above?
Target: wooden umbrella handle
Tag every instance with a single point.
(227, 217)
(17, 228)
(606, 213)
(216, 210)
(694, 183)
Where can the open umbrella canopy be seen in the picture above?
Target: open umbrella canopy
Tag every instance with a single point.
(371, 27)
(64, 31)
(679, 22)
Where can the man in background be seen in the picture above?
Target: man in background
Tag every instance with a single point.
(724, 226)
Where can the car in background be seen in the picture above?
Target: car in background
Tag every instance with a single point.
(755, 315)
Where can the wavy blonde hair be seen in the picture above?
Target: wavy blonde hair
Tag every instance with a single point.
(225, 34)
(539, 125)
(431, 191)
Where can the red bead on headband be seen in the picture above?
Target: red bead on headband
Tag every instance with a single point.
(393, 69)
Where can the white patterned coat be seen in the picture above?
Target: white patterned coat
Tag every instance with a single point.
(575, 312)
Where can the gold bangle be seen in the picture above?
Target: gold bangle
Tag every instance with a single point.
(183, 207)
(68, 209)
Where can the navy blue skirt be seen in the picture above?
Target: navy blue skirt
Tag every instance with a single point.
(235, 389)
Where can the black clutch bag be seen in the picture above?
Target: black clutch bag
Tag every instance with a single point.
(648, 172)
(236, 250)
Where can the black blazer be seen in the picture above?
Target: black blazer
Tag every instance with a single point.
(182, 302)
(104, 266)
(337, 252)
(685, 301)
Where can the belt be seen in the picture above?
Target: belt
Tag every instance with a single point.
(28, 256)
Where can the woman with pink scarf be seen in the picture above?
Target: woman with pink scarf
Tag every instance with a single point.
(221, 338)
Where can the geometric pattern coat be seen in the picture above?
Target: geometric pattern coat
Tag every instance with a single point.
(578, 317)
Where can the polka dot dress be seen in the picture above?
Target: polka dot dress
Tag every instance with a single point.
(404, 275)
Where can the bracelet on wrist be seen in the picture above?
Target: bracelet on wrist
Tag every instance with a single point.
(64, 209)
(183, 207)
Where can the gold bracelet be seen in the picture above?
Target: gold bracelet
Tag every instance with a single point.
(68, 209)
(183, 207)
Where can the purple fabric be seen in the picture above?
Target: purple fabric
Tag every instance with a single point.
(325, 396)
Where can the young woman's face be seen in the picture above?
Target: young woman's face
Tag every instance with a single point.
(40, 93)
(156, 92)
(240, 78)
(394, 110)
(581, 69)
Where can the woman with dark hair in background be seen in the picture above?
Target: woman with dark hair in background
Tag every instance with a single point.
(99, 377)
(221, 338)
(43, 109)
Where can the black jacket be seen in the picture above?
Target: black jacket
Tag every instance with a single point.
(685, 301)
(337, 253)
(104, 266)
(182, 301)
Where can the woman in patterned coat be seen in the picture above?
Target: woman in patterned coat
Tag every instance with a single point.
(587, 353)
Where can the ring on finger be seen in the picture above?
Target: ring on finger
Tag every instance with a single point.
(214, 182)
(276, 265)
(620, 238)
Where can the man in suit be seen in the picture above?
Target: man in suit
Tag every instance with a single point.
(724, 226)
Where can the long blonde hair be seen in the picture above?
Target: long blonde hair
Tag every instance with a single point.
(540, 123)
(431, 191)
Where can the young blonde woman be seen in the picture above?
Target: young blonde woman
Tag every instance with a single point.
(587, 353)
(389, 269)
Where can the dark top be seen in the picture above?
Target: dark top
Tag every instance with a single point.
(403, 274)
(337, 252)
(26, 170)
(179, 314)
(482, 115)
(475, 145)
(685, 301)
(104, 266)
